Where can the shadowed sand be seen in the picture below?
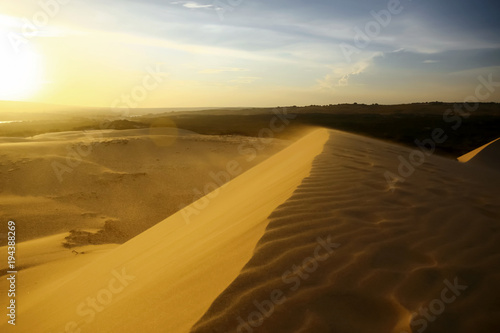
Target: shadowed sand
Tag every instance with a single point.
(394, 253)
(166, 278)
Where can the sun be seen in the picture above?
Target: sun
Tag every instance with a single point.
(20, 71)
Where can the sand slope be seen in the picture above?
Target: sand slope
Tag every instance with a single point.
(392, 255)
(165, 279)
(487, 155)
(122, 181)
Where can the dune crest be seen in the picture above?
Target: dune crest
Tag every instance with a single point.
(487, 155)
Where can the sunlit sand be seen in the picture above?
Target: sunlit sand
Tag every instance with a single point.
(312, 239)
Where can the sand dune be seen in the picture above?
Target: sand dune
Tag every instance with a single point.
(487, 155)
(121, 181)
(314, 239)
(166, 278)
(392, 255)
(43, 263)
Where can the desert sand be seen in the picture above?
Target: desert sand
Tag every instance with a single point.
(312, 239)
(395, 251)
(126, 181)
(486, 155)
(195, 257)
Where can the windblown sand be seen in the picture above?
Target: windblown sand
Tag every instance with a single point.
(313, 239)
(127, 180)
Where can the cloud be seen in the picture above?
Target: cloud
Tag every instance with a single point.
(196, 5)
(191, 4)
(344, 79)
(415, 75)
(220, 52)
(341, 75)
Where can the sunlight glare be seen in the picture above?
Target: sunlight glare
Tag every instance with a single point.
(19, 73)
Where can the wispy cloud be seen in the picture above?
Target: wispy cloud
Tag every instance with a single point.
(191, 4)
(341, 75)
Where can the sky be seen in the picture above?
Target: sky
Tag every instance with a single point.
(222, 53)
